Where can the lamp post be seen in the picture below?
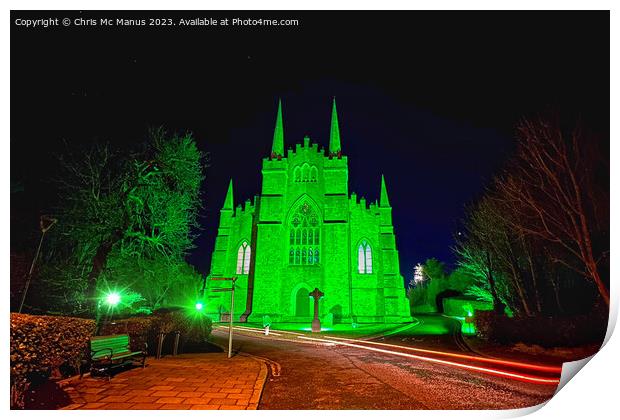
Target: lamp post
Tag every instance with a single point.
(232, 307)
(44, 228)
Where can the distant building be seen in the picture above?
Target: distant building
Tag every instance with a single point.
(304, 231)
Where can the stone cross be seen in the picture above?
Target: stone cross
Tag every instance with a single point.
(316, 323)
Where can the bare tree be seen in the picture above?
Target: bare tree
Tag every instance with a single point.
(553, 195)
(492, 255)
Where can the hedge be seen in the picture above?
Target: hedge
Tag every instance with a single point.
(41, 345)
(193, 326)
(566, 331)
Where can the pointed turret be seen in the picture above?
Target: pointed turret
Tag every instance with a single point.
(277, 149)
(229, 202)
(334, 133)
(384, 201)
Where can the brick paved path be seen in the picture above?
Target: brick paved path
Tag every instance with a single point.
(207, 381)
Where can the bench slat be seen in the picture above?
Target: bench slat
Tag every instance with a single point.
(101, 346)
(123, 355)
(112, 348)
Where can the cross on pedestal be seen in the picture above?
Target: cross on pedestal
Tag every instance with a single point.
(316, 323)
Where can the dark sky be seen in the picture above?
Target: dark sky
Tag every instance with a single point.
(430, 99)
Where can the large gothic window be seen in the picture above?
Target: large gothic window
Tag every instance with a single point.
(304, 237)
(243, 258)
(364, 258)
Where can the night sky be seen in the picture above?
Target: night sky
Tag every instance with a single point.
(430, 99)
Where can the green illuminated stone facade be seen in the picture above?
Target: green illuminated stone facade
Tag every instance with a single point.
(304, 231)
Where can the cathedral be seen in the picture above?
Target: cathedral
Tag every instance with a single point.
(305, 231)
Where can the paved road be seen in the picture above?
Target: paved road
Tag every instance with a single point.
(328, 375)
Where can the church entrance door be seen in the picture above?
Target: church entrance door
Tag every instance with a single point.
(302, 303)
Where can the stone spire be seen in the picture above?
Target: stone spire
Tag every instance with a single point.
(384, 201)
(277, 149)
(229, 202)
(334, 133)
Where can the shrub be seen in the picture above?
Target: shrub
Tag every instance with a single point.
(547, 332)
(41, 345)
(140, 330)
(198, 329)
(193, 326)
(485, 322)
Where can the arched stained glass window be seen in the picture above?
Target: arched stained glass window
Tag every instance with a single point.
(364, 258)
(313, 174)
(361, 259)
(243, 258)
(305, 173)
(305, 236)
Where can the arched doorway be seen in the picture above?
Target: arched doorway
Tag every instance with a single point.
(302, 303)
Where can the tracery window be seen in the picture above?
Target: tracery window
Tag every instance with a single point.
(314, 174)
(304, 237)
(243, 258)
(364, 258)
(305, 173)
(305, 170)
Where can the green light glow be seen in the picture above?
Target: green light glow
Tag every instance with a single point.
(468, 328)
(306, 234)
(199, 306)
(113, 299)
(310, 329)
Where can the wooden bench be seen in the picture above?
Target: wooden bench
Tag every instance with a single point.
(111, 351)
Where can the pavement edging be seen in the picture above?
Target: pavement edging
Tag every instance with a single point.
(259, 384)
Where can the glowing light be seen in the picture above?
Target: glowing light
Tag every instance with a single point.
(310, 329)
(418, 275)
(199, 306)
(492, 371)
(542, 368)
(496, 372)
(113, 299)
(303, 235)
(256, 330)
(468, 328)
